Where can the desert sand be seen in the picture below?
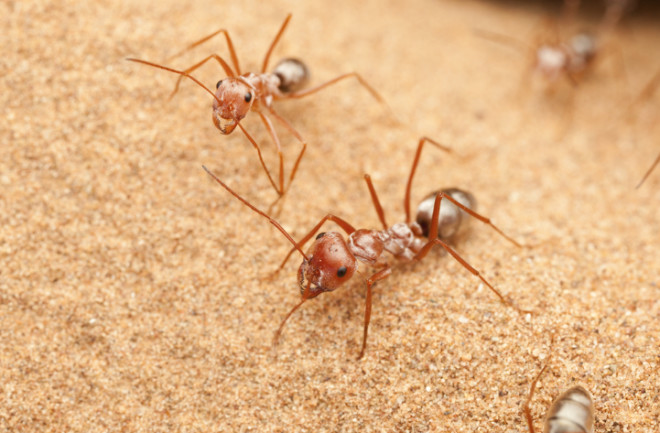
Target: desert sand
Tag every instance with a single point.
(133, 289)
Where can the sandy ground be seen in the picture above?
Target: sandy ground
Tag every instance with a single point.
(132, 290)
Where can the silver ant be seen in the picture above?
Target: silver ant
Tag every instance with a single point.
(331, 260)
(571, 412)
(240, 93)
(571, 58)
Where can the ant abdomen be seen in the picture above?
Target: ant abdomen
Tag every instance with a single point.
(293, 74)
(450, 220)
(571, 412)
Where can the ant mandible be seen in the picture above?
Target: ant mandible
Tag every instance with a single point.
(331, 260)
(240, 93)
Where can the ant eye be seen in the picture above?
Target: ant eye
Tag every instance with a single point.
(320, 235)
(218, 85)
(341, 271)
(248, 97)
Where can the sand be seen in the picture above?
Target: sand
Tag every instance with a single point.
(133, 290)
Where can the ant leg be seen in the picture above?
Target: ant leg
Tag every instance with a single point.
(434, 240)
(526, 409)
(272, 44)
(418, 153)
(303, 93)
(232, 52)
(649, 171)
(220, 60)
(479, 217)
(263, 164)
(295, 133)
(329, 217)
(380, 275)
(374, 198)
(276, 140)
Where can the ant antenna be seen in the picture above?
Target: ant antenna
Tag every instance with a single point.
(260, 212)
(182, 73)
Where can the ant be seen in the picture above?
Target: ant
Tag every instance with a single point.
(571, 412)
(331, 260)
(571, 58)
(239, 93)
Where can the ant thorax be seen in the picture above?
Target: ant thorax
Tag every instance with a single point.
(401, 240)
(266, 88)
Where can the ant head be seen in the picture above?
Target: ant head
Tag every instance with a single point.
(330, 264)
(234, 98)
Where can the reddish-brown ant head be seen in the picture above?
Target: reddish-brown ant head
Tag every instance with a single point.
(234, 99)
(330, 264)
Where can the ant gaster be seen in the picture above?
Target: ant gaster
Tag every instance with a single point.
(331, 260)
(240, 93)
(571, 412)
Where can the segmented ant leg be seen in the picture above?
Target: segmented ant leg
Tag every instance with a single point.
(275, 41)
(261, 159)
(526, 409)
(301, 243)
(220, 60)
(232, 52)
(307, 92)
(380, 275)
(434, 240)
(276, 140)
(295, 133)
(418, 153)
(374, 198)
(649, 171)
